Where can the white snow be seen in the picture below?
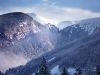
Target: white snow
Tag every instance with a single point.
(71, 71)
(71, 31)
(55, 70)
(21, 25)
(90, 24)
(51, 59)
(65, 24)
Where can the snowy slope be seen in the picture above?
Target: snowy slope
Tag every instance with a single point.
(90, 25)
(82, 53)
(23, 38)
(79, 30)
(26, 37)
(71, 71)
(52, 28)
(64, 24)
(55, 70)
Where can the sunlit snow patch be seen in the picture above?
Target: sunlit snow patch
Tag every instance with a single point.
(51, 59)
(71, 71)
(55, 70)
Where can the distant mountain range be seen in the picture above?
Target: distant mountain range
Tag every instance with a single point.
(24, 36)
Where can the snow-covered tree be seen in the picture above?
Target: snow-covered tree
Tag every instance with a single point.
(64, 72)
(1, 73)
(36, 73)
(98, 70)
(78, 71)
(43, 68)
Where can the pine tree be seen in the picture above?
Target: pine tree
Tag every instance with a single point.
(98, 70)
(78, 71)
(43, 68)
(36, 73)
(1, 73)
(64, 72)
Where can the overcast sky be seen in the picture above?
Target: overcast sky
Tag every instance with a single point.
(54, 11)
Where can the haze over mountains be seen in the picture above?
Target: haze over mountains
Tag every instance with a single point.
(23, 37)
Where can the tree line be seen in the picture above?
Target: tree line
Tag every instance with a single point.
(43, 70)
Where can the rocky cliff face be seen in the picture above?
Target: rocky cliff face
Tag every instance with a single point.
(18, 28)
(15, 26)
(24, 37)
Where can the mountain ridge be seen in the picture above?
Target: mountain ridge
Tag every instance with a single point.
(27, 38)
(69, 55)
(23, 37)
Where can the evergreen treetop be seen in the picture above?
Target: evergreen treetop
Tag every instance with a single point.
(64, 72)
(43, 68)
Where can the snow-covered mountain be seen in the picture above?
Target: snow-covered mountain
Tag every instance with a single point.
(52, 27)
(80, 30)
(23, 38)
(90, 25)
(65, 24)
(87, 24)
(83, 53)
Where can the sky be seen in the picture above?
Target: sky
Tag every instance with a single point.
(54, 11)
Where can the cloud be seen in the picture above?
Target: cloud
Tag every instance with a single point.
(11, 60)
(55, 14)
